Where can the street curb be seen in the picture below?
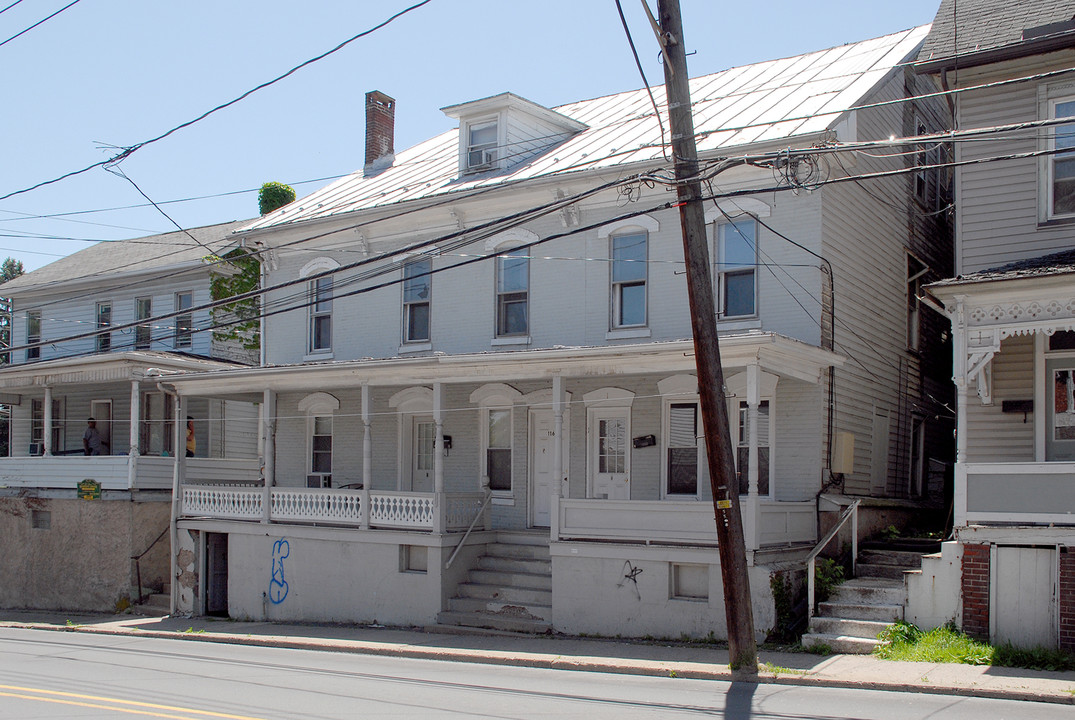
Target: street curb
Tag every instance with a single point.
(689, 671)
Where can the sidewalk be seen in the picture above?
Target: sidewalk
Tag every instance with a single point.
(574, 653)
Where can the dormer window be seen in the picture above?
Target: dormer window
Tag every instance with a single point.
(482, 145)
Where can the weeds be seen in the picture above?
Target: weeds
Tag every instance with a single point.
(947, 644)
(827, 575)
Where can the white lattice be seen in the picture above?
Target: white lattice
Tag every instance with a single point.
(222, 502)
(1055, 309)
(402, 510)
(341, 507)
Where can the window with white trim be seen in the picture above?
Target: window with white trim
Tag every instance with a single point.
(513, 293)
(629, 269)
(482, 140)
(736, 271)
(1061, 166)
(319, 409)
(143, 334)
(742, 452)
(496, 418)
(184, 323)
(417, 298)
(684, 467)
(104, 321)
(321, 444)
(320, 290)
(33, 333)
(916, 271)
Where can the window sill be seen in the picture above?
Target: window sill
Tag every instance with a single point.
(1056, 222)
(415, 347)
(317, 356)
(513, 340)
(503, 500)
(626, 333)
(752, 323)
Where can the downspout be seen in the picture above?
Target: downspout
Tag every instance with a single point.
(173, 531)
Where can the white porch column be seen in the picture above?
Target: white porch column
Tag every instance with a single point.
(558, 429)
(132, 435)
(268, 411)
(439, 503)
(753, 400)
(367, 439)
(959, 376)
(46, 433)
(179, 473)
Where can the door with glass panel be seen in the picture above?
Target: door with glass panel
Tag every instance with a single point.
(1060, 409)
(610, 457)
(423, 435)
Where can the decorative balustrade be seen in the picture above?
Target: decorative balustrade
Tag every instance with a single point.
(227, 503)
(338, 507)
(412, 511)
(461, 508)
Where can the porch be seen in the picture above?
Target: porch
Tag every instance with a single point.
(1013, 493)
(119, 472)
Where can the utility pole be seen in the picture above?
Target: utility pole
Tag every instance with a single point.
(738, 611)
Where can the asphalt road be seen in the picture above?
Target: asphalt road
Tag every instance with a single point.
(53, 675)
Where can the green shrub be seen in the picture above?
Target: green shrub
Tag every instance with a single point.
(827, 575)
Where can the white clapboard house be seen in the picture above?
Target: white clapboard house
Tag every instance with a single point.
(1009, 574)
(63, 552)
(479, 393)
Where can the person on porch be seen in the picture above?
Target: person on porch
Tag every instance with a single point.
(92, 442)
(192, 443)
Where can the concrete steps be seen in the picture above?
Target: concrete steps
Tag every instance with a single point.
(509, 589)
(862, 607)
(154, 604)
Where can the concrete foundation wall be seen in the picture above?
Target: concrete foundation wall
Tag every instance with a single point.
(933, 595)
(70, 554)
(592, 593)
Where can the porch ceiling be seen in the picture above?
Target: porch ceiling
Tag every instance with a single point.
(774, 353)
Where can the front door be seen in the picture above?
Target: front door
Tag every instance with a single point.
(543, 478)
(610, 457)
(423, 435)
(1060, 410)
(216, 572)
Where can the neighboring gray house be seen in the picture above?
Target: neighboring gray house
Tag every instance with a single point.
(66, 553)
(1009, 575)
(546, 397)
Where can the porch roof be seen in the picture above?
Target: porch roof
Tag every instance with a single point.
(105, 367)
(775, 353)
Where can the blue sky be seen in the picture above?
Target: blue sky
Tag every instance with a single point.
(117, 72)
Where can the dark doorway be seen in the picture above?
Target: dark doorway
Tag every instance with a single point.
(216, 573)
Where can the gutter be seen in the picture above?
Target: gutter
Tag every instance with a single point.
(1037, 46)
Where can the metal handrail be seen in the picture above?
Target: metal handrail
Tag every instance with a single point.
(138, 567)
(470, 528)
(852, 513)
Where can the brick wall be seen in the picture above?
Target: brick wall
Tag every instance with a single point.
(1067, 599)
(976, 591)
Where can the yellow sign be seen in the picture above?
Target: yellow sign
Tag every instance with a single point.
(89, 490)
(724, 504)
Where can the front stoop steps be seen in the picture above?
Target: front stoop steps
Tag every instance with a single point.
(155, 604)
(510, 588)
(862, 607)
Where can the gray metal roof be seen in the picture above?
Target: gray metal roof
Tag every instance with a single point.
(122, 257)
(978, 25)
(1058, 263)
(767, 101)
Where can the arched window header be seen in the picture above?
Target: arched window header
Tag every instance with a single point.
(510, 238)
(413, 399)
(642, 222)
(319, 404)
(609, 397)
(318, 265)
(737, 209)
(678, 385)
(497, 394)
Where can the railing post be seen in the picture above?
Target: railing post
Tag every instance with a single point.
(854, 537)
(132, 435)
(554, 518)
(46, 434)
(367, 439)
(268, 409)
(366, 509)
(810, 589)
(439, 505)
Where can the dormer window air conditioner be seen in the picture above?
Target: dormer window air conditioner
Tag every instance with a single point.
(482, 145)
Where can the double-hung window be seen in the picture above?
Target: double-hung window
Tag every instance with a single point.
(417, 296)
(681, 472)
(320, 290)
(512, 293)
(143, 334)
(1061, 189)
(321, 444)
(104, 321)
(737, 267)
(482, 145)
(33, 333)
(629, 255)
(184, 322)
(498, 448)
(743, 448)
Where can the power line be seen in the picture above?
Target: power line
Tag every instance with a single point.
(4, 10)
(128, 151)
(23, 32)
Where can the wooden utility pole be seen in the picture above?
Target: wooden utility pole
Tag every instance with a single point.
(738, 611)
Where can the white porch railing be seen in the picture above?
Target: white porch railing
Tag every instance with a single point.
(681, 521)
(1024, 493)
(460, 509)
(404, 510)
(222, 502)
(339, 507)
(64, 471)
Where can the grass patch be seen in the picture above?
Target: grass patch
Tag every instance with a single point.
(904, 641)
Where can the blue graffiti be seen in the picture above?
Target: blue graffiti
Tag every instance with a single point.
(278, 585)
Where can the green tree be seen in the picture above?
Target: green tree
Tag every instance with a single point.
(274, 195)
(9, 270)
(238, 321)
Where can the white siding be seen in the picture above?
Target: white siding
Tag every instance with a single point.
(996, 436)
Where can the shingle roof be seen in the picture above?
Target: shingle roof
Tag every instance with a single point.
(1057, 263)
(988, 24)
(129, 256)
(768, 101)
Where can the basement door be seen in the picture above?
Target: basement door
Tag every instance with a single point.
(216, 574)
(1024, 592)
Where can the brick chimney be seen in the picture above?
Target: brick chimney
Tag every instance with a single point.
(380, 130)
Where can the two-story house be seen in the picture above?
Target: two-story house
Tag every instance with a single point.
(1009, 575)
(479, 397)
(72, 521)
